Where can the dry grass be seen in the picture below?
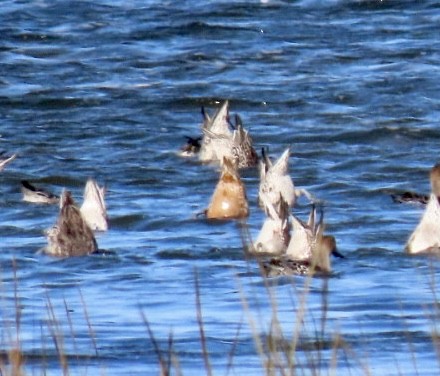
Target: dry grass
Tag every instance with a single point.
(309, 346)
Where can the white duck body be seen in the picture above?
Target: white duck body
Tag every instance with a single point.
(36, 195)
(426, 236)
(274, 235)
(217, 136)
(303, 237)
(275, 182)
(93, 208)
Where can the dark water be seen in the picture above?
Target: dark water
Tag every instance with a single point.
(109, 89)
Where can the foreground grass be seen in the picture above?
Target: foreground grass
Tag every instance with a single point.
(308, 345)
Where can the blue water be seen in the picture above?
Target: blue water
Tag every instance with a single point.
(109, 89)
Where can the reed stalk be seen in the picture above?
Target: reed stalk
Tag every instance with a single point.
(57, 335)
(205, 352)
(298, 350)
(164, 365)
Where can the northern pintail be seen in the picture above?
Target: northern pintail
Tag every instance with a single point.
(319, 264)
(275, 182)
(93, 208)
(71, 235)
(243, 146)
(220, 141)
(216, 135)
(410, 197)
(229, 199)
(274, 236)
(426, 236)
(308, 251)
(4, 160)
(37, 195)
(304, 235)
(192, 146)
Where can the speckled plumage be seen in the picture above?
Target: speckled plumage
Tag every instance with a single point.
(71, 235)
(220, 141)
(308, 251)
(216, 136)
(319, 263)
(275, 182)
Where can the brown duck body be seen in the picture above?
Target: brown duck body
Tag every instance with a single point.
(229, 198)
(71, 235)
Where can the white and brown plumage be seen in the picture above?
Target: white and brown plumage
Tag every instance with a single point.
(275, 182)
(426, 236)
(93, 208)
(319, 264)
(37, 195)
(242, 146)
(216, 135)
(305, 235)
(220, 141)
(229, 199)
(4, 160)
(308, 252)
(71, 235)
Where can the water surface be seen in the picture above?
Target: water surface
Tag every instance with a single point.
(109, 89)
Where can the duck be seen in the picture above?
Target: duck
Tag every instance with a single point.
(410, 198)
(308, 251)
(216, 135)
(426, 236)
(304, 235)
(242, 147)
(229, 199)
(93, 208)
(193, 144)
(191, 148)
(319, 264)
(219, 140)
(4, 159)
(275, 182)
(274, 236)
(37, 195)
(71, 235)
